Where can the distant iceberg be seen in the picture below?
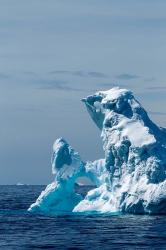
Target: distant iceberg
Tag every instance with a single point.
(20, 184)
(131, 178)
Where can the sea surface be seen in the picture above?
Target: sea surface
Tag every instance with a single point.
(21, 230)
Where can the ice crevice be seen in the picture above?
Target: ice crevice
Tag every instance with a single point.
(132, 176)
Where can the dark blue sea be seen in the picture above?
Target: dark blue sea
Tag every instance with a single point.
(21, 230)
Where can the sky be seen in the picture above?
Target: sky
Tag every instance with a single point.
(55, 52)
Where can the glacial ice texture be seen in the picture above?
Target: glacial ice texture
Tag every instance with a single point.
(131, 178)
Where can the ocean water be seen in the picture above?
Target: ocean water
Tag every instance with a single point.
(21, 230)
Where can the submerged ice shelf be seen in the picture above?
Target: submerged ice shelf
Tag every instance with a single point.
(131, 178)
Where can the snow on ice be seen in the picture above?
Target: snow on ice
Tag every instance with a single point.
(131, 178)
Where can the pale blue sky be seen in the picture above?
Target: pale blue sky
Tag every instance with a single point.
(53, 53)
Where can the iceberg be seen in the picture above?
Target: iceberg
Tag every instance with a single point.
(132, 176)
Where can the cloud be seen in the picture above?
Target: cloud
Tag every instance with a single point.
(31, 73)
(157, 113)
(94, 74)
(56, 85)
(150, 79)
(4, 76)
(81, 73)
(60, 72)
(112, 85)
(126, 76)
(156, 88)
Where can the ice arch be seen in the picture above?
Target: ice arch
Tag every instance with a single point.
(67, 166)
(83, 185)
(84, 181)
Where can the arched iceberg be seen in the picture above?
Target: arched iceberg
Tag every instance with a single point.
(131, 178)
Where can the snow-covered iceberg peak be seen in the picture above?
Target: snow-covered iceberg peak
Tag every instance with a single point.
(131, 178)
(130, 138)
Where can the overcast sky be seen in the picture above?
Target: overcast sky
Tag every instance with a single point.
(55, 52)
